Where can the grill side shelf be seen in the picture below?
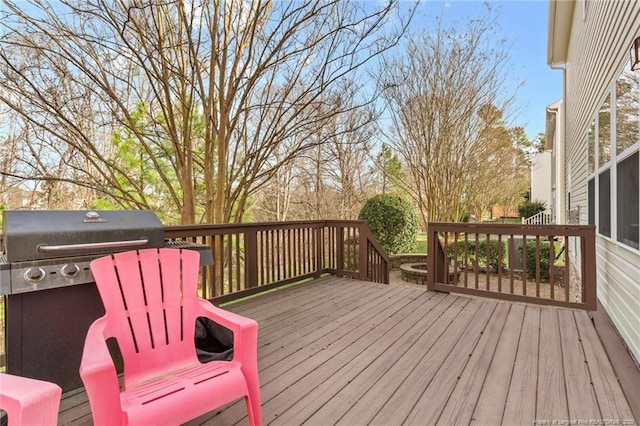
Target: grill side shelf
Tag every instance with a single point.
(206, 257)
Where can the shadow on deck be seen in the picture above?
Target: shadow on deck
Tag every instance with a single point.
(339, 351)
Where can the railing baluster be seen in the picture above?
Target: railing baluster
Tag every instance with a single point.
(500, 258)
(551, 260)
(455, 257)
(538, 267)
(512, 256)
(525, 266)
(229, 263)
(308, 247)
(446, 256)
(476, 263)
(487, 267)
(466, 259)
(567, 264)
(263, 258)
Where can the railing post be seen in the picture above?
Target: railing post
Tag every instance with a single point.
(589, 292)
(251, 258)
(363, 240)
(432, 236)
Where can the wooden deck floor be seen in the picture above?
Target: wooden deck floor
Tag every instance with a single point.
(337, 351)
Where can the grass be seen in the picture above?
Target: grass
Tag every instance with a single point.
(421, 243)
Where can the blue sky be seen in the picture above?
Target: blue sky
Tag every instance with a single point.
(524, 24)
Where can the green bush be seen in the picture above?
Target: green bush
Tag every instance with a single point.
(497, 252)
(393, 222)
(531, 208)
(545, 247)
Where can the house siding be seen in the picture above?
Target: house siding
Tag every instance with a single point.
(618, 289)
(541, 179)
(599, 48)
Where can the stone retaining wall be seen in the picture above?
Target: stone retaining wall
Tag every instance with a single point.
(399, 259)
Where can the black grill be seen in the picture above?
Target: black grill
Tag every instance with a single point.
(52, 248)
(51, 297)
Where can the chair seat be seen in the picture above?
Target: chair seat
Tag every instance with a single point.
(183, 395)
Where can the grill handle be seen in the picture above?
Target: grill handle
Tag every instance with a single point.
(45, 248)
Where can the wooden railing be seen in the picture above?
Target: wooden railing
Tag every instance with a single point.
(541, 218)
(250, 258)
(544, 264)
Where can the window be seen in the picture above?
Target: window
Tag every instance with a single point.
(592, 201)
(604, 132)
(628, 217)
(604, 205)
(627, 110)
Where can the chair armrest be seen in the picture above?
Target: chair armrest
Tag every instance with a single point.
(99, 376)
(245, 330)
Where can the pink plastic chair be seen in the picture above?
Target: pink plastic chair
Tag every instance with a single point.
(29, 401)
(151, 305)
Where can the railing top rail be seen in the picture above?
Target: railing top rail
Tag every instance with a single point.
(267, 225)
(512, 229)
(381, 251)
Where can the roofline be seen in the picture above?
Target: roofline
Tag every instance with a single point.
(559, 30)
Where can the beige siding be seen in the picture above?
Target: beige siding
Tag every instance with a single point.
(598, 49)
(619, 290)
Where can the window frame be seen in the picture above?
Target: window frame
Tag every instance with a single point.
(607, 220)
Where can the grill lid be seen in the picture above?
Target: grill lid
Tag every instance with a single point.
(47, 234)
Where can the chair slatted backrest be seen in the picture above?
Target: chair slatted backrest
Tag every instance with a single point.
(149, 298)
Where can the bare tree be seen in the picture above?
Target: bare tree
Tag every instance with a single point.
(334, 178)
(435, 90)
(185, 107)
(498, 167)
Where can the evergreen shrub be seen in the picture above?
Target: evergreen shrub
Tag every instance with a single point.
(545, 247)
(393, 222)
(531, 208)
(497, 250)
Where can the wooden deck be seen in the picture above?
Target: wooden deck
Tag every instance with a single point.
(339, 351)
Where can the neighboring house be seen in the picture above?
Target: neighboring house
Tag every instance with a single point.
(504, 212)
(597, 142)
(555, 145)
(541, 179)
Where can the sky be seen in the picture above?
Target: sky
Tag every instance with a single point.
(524, 24)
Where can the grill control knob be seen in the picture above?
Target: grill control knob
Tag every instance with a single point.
(34, 274)
(70, 270)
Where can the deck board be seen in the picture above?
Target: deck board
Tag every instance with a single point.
(338, 351)
(373, 397)
(400, 405)
(611, 399)
(489, 407)
(521, 397)
(552, 396)
(581, 399)
(437, 394)
(462, 402)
